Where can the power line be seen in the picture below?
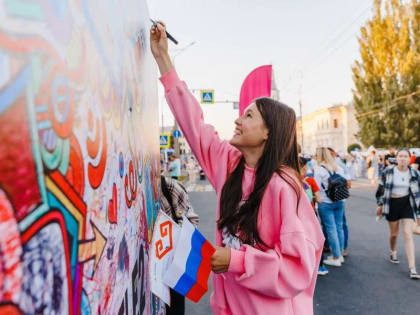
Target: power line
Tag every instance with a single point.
(325, 59)
(338, 36)
(377, 111)
(324, 47)
(332, 52)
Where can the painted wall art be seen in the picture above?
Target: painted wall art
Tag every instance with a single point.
(79, 159)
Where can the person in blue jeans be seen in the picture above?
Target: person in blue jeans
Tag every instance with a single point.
(347, 176)
(331, 213)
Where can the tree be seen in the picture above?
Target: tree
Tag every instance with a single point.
(387, 76)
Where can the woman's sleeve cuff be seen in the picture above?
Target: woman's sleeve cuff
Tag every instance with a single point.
(236, 261)
(170, 80)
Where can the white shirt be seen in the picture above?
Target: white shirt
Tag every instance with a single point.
(401, 182)
(231, 241)
(321, 178)
(341, 164)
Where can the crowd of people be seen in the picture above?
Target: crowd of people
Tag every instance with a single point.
(184, 168)
(398, 197)
(373, 163)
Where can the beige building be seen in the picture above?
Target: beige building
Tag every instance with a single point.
(334, 126)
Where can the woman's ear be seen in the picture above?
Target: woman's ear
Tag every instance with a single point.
(266, 133)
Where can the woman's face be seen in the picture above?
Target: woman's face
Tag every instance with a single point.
(403, 159)
(250, 130)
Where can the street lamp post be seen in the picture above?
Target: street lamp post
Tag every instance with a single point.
(176, 140)
(300, 110)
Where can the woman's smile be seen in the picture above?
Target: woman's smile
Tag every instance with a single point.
(237, 132)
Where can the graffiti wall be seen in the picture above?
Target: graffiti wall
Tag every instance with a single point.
(78, 157)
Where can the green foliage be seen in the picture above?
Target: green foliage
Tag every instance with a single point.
(353, 147)
(387, 76)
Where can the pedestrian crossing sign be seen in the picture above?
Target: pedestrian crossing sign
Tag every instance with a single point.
(165, 140)
(207, 96)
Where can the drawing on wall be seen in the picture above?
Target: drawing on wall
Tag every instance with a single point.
(78, 157)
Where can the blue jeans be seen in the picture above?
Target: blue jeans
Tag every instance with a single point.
(346, 231)
(332, 215)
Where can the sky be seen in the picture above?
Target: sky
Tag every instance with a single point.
(311, 45)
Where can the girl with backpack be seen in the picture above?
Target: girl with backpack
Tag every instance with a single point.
(330, 210)
(313, 192)
(174, 202)
(268, 240)
(398, 198)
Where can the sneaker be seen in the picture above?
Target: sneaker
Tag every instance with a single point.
(333, 261)
(393, 258)
(342, 259)
(322, 271)
(413, 275)
(345, 253)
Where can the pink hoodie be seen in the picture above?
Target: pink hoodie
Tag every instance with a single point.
(277, 281)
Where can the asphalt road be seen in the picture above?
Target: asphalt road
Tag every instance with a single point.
(367, 284)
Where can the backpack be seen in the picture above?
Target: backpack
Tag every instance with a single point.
(337, 187)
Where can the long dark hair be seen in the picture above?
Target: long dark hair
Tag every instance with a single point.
(280, 156)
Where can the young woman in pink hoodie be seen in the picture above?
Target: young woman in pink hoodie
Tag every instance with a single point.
(268, 240)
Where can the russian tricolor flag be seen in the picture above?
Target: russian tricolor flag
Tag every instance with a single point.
(190, 269)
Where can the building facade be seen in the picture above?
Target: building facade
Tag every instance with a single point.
(334, 127)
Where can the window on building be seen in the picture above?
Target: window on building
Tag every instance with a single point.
(335, 123)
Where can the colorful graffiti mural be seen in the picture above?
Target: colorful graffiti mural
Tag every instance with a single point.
(78, 157)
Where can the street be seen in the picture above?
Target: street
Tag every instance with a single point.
(367, 283)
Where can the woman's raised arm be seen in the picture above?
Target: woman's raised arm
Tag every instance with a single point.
(215, 156)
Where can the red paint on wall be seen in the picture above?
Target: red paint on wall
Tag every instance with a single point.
(96, 173)
(17, 168)
(113, 206)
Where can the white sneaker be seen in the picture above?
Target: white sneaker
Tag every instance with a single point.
(341, 258)
(414, 275)
(393, 258)
(331, 261)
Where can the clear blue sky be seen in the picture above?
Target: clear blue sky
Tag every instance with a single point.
(310, 43)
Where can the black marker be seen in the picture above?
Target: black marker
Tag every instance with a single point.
(167, 34)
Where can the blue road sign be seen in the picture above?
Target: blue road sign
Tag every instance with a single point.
(164, 140)
(207, 96)
(176, 134)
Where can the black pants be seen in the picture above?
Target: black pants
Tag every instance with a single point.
(177, 304)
